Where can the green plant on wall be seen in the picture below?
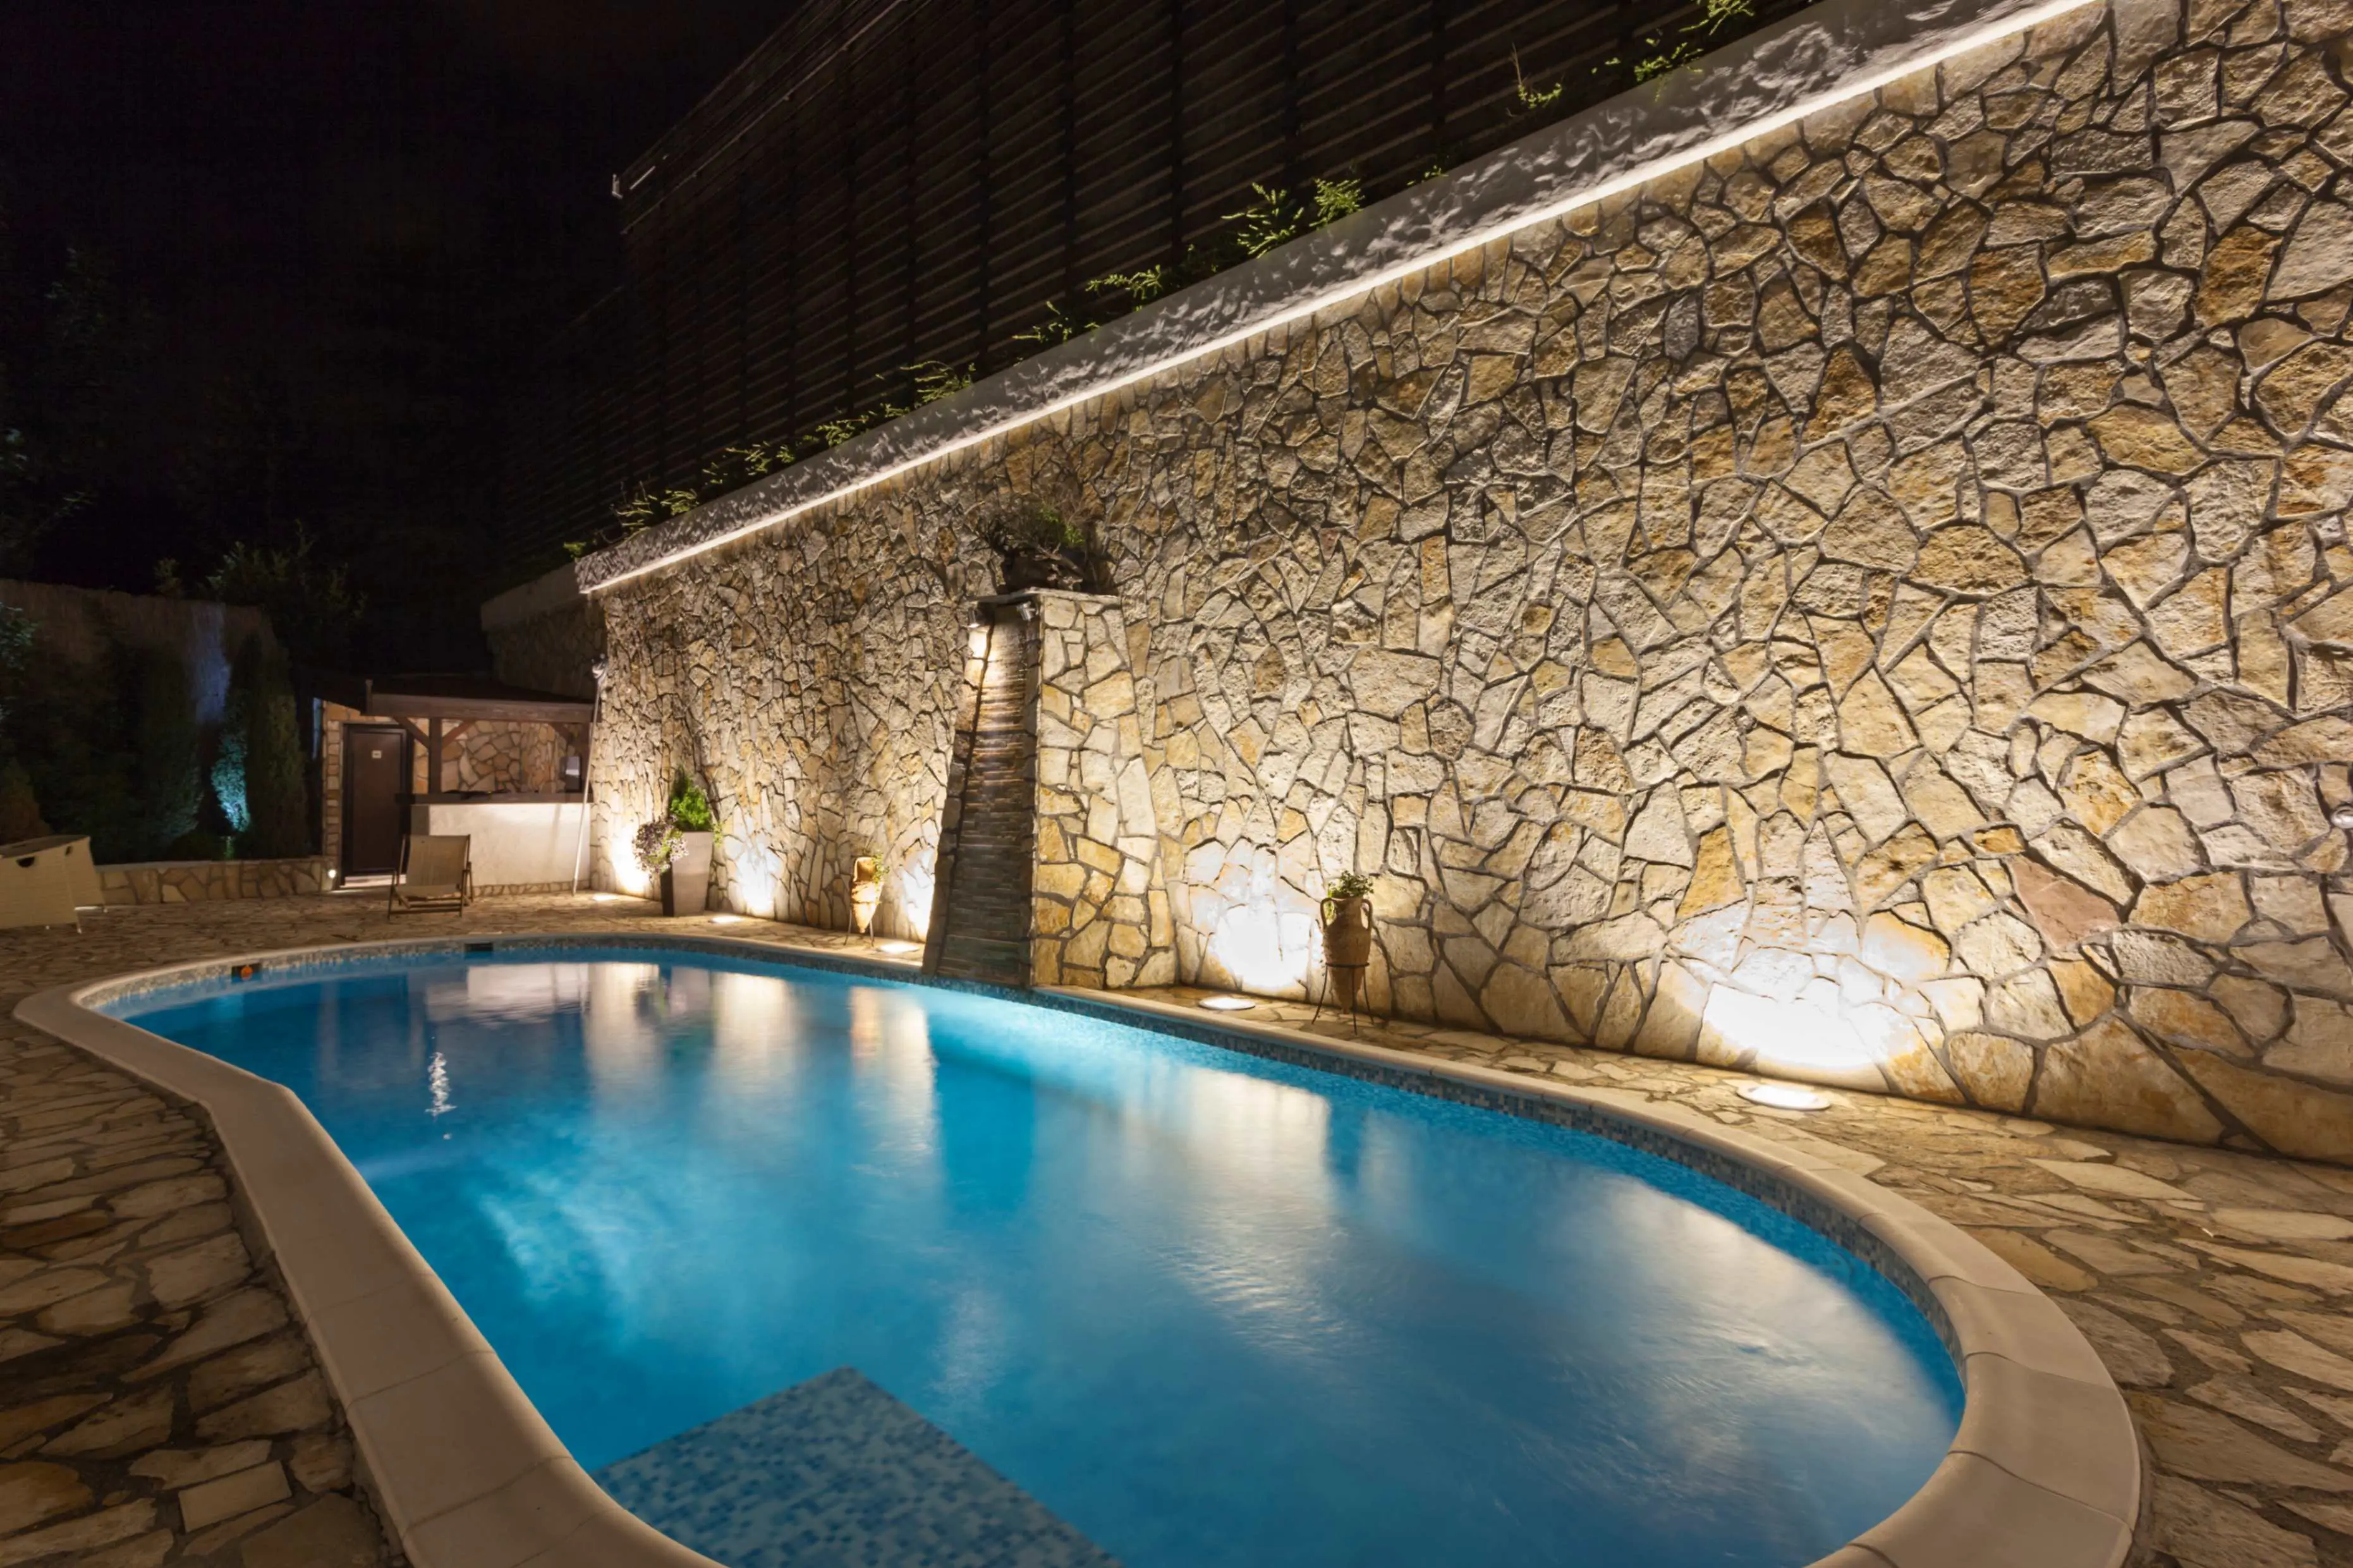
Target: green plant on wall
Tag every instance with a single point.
(1530, 100)
(1140, 286)
(735, 466)
(1277, 217)
(1337, 199)
(1273, 217)
(935, 380)
(645, 507)
(1684, 43)
(1058, 327)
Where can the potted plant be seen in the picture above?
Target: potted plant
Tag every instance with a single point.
(1348, 931)
(657, 844)
(686, 881)
(1348, 922)
(1037, 547)
(865, 891)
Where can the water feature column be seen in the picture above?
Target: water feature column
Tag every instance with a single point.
(1050, 847)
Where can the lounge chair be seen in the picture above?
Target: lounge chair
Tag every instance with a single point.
(435, 875)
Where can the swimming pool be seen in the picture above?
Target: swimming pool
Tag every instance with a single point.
(1203, 1307)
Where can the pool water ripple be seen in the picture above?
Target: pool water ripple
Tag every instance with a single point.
(1207, 1308)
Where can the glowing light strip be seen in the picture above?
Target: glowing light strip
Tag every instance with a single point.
(1356, 288)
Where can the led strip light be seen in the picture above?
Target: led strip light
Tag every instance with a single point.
(1992, 31)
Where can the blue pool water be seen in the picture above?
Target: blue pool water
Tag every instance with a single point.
(1205, 1308)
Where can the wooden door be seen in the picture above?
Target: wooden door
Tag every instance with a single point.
(376, 775)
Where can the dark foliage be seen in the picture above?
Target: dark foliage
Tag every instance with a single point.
(276, 799)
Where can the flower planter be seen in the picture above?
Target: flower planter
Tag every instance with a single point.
(865, 893)
(686, 880)
(1347, 933)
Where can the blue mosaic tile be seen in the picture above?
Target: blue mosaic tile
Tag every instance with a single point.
(835, 1473)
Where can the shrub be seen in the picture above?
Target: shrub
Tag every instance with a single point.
(1352, 884)
(689, 809)
(230, 812)
(274, 785)
(171, 792)
(20, 813)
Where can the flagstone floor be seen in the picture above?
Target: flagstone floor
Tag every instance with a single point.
(158, 1406)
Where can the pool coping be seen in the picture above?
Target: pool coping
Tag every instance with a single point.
(2045, 1470)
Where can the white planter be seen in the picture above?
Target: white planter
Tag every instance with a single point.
(686, 886)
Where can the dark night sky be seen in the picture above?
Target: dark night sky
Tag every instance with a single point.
(381, 204)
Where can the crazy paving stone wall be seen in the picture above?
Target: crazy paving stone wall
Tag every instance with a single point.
(1100, 910)
(506, 757)
(1874, 607)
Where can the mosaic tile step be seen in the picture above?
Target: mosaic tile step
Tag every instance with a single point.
(835, 1473)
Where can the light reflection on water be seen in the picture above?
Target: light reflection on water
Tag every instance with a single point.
(1210, 1309)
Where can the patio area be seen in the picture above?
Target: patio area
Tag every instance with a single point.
(169, 1413)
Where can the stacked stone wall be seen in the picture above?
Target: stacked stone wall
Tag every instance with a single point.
(1872, 607)
(508, 757)
(1101, 914)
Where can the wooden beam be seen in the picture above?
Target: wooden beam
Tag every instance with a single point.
(385, 705)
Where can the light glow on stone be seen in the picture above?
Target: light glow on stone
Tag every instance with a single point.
(726, 920)
(1227, 1004)
(916, 889)
(1266, 949)
(897, 948)
(1810, 1036)
(1783, 1096)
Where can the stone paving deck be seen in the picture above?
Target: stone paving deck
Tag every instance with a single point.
(157, 1408)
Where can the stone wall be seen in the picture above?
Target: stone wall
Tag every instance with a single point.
(508, 757)
(1099, 901)
(206, 881)
(1871, 606)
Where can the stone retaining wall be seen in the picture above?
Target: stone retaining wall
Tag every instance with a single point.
(1100, 912)
(202, 881)
(1873, 606)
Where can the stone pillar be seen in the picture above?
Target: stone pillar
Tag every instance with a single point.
(1050, 847)
(1099, 904)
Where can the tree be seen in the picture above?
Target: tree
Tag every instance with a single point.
(276, 799)
(71, 340)
(20, 812)
(170, 790)
(311, 604)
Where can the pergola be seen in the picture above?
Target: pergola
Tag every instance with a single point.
(437, 708)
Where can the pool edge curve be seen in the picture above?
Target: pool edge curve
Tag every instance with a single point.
(2045, 1470)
